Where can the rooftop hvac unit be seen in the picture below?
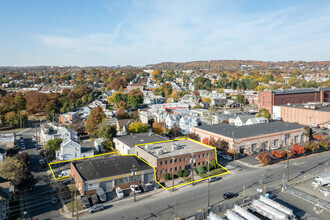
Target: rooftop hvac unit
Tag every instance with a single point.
(150, 146)
(175, 147)
(160, 151)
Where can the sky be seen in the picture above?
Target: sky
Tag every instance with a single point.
(141, 32)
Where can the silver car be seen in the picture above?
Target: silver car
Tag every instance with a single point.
(96, 208)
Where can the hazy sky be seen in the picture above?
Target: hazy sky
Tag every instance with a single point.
(109, 32)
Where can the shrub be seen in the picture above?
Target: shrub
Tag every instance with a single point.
(205, 141)
(325, 144)
(278, 153)
(195, 170)
(312, 146)
(167, 176)
(214, 164)
(201, 169)
(318, 136)
(180, 173)
(185, 173)
(264, 157)
(298, 149)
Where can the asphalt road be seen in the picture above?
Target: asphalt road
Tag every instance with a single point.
(193, 198)
(37, 202)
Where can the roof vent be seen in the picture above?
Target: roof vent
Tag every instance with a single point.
(160, 151)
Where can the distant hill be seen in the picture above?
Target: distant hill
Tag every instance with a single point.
(239, 64)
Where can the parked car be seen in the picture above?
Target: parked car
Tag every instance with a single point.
(119, 192)
(53, 200)
(33, 138)
(21, 139)
(227, 157)
(96, 208)
(41, 161)
(84, 202)
(158, 186)
(143, 187)
(229, 195)
(314, 126)
(135, 188)
(94, 199)
(23, 146)
(212, 179)
(36, 145)
(275, 147)
(101, 194)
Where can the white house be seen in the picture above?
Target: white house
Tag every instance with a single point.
(71, 150)
(187, 124)
(97, 144)
(172, 120)
(188, 98)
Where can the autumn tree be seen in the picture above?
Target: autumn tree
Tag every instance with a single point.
(264, 157)
(206, 99)
(107, 131)
(221, 145)
(205, 141)
(156, 75)
(212, 141)
(240, 98)
(297, 149)
(121, 113)
(137, 127)
(158, 128)
(312, 146)
(194, 136)
(175, 131)
(94, 119)
(264, 113)
(278, 153)
(118, 82)
(324, 144)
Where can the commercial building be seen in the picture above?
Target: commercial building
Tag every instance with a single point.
(109, 172)
(126, 144)
(69, 117)
(306, 114)
(171, 156)
(267, 99)
(6, 141)
(250, 138)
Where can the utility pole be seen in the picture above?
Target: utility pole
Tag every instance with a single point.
(192, 161)
(176, 213)
(234, 145)
(133, 173)
(75, 194)
(208, 183)
(287, 165)
(72, 200)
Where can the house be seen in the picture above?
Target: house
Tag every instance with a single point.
(171, 156)
(122, 126)
(199, 112)
(230, 103)
(148, 100)
(251, 138)
(172, 120)
(218, 101)
(126, 144)
(71, 150)
(145, 117)
(241, 120)
(187, 124)
(69, 117)
(84, 112)
(4, 198)
(109, 173)
(49, 131)
(131, 87)
(6, 141)
(188, 98)
(97, 144)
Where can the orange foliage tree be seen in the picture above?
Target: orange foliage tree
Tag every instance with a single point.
(158, 127)
(205, 141)
(264, 157)
(297, 149)
(278, 153)
(94, 119)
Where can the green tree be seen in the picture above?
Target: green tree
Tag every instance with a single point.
(9, 166)
(137, 127)
(52, 146)
(180, 173)
(105, 130)
(50, 116)
(240, 98)
(134, 100)
(20, 103)
(185, 173)
(201, 169)
(167, 176)
(264, 113)
(175, 131)
(94, 119)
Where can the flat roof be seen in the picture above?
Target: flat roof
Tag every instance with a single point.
(97, 168)
(295, 91)
(250, 130)
(140, 138)
(183, 147)
(302, 106)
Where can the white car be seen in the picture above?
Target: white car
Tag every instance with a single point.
(135, 188)
(119, 192)
(275, 147)
(226, 157)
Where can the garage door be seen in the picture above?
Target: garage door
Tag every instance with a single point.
(107, 186)
(148, 177)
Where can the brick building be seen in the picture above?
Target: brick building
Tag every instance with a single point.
(267, 99)
(69, 117)
(109, 173)
(306, 114)
(251, 138)
(171, 156)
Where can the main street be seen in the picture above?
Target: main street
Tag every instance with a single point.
(192, 198)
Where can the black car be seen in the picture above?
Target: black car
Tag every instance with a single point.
(144, 187)
(84, 202)
(229, 195)
(158, 186)
(94, 199)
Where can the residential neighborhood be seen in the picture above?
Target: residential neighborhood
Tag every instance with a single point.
(165, 110)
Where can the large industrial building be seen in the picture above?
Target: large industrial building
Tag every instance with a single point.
(267, 99)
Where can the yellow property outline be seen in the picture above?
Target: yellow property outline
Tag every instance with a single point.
(155, 173)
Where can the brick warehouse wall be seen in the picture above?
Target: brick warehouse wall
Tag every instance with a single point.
(265, 100)
(298, 98)
(181, 161)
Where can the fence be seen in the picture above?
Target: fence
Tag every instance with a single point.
(311, 199)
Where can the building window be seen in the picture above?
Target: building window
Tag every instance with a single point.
(175, 168)
(180, 167)
(254, 146)
(211, 154)
(170, 169)
(207, 154)
(199, 156)
(185, 158)
(199, 164)
(161, 163)
(203, 162)
(180, 159)
(170, 161)
(302, 138)
(296, 139)
(161, 171)
(276, 143)
(175, 160)
(203, 155)
(165, 161)
(165, 170)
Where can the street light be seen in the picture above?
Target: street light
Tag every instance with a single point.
(133, 170)
(25, 214)
(192, 161)
(176, 214)
(208, 182)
